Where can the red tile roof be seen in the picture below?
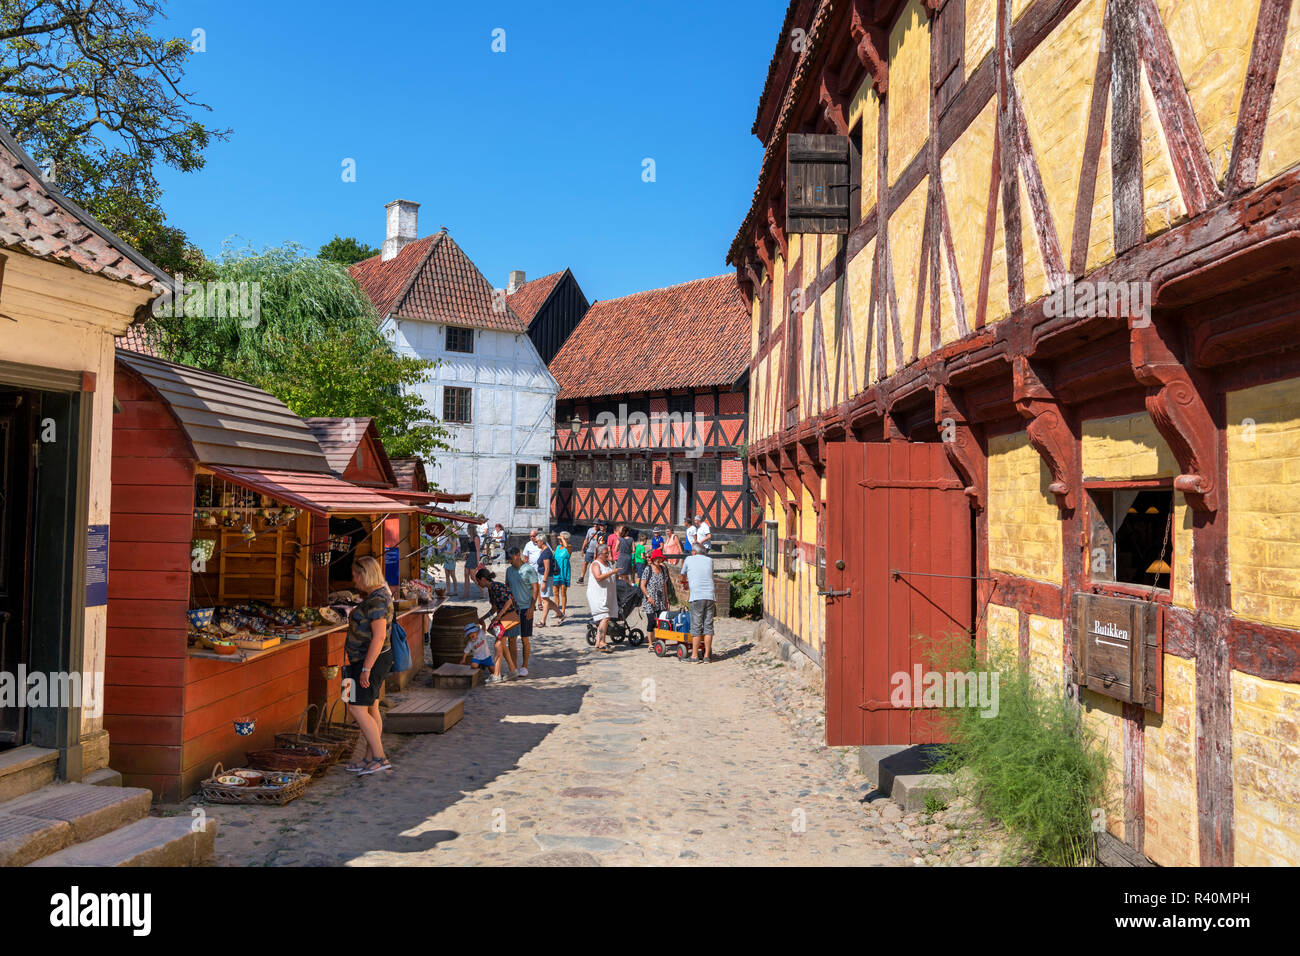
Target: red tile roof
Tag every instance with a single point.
(530, 298)
(693, 335)
(38, 219)
(433, 279)
(140, 338)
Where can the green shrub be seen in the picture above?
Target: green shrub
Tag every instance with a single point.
(747, 592)
(1031, 765)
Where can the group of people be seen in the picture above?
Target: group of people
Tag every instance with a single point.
(538, 578)
(613, 555)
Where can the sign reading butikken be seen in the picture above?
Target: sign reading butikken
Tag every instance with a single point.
(1117, 648)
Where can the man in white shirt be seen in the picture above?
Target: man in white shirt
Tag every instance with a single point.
(697, 579)
(532, 549)
(690, 536)
(703, 534)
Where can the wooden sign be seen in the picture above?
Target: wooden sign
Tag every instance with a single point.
(1117, 648)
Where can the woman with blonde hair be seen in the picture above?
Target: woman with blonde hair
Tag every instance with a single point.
(369, 648)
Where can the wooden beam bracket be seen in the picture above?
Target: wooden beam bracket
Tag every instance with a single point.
(872, 46)
(1180, 411)
(961, 444)
(1049, 431)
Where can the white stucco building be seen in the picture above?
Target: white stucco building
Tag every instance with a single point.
(491, 389)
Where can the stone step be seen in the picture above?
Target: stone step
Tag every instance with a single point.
(457, 677)
(910, 790)
(26, 769)
(153, 841)
(103, 777)
(425, 712)
(89, 810)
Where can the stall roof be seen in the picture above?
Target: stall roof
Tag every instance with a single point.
(340, 439)
(409, 472)
(320, 494)
(452, 516)
(230, 422)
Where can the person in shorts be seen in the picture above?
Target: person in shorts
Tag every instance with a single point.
(369, 649)
(697, 578)
(483, 653)
(522, 580)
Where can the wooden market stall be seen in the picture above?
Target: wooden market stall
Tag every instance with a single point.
(201, 458)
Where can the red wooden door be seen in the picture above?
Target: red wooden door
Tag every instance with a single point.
(902, 526)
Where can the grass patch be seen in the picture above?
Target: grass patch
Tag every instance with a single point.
(1030, 765)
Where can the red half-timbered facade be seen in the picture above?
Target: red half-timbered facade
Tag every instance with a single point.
(651, 420)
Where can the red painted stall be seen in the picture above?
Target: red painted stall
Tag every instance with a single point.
(200, 457)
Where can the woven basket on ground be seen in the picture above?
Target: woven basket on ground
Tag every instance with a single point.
(300, 740)
(215, 792)
(283, 760)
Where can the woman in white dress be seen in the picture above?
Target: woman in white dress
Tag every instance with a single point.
(602, 595)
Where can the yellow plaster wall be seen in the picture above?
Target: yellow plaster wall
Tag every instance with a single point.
(1162, 199)
(1281, 146)
(909, 87)
(1003, 628)
(967, 167)
(1264, 502)
(1103, 718)
(1213, 51)
(1265, 771)
(1046, 654)
(1169, 772)
(866, 109)
(1125, 448)
(981, 29)
(794, 600)
(1024, 523)
(905, 228)
(1055, 84)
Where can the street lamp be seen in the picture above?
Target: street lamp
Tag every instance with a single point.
(575, 424)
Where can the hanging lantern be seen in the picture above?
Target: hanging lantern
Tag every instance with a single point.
(248, 532)
(1158, 566)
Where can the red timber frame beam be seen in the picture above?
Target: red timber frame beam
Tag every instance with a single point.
(1050, 430)
(810, 460)
(1178, 400)
(960, 443)
(870, 45)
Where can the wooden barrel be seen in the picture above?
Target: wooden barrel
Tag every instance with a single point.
(447, 632)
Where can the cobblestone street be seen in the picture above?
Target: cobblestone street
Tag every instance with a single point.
(612, 759)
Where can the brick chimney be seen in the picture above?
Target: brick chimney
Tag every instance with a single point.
(517, 281)
(402, 220)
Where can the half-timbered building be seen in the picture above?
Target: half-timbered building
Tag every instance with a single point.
(1025, 367)
(551, 307)
(651, 415)
(490, 388)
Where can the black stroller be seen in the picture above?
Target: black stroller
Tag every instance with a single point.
(629, 599)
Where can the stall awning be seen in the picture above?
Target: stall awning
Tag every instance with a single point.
(449, 515)
(320, 494)
(438, 497)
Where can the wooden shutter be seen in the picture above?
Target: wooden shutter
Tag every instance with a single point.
(949, 34)
(817, 184)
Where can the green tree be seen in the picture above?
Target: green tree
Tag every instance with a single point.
(314, 344)
(346, 251)
(96, 97)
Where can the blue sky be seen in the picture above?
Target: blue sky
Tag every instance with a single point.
(531, 158)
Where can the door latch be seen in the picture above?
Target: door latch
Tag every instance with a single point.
(845, 593)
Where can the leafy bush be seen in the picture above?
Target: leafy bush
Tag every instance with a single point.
(1030, 766)
(747, 592)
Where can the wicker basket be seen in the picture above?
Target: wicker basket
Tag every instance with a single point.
(340, 732)
(266, 796)
(301, 740)
(284, 760)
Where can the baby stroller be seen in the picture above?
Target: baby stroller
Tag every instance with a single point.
(629, 599)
